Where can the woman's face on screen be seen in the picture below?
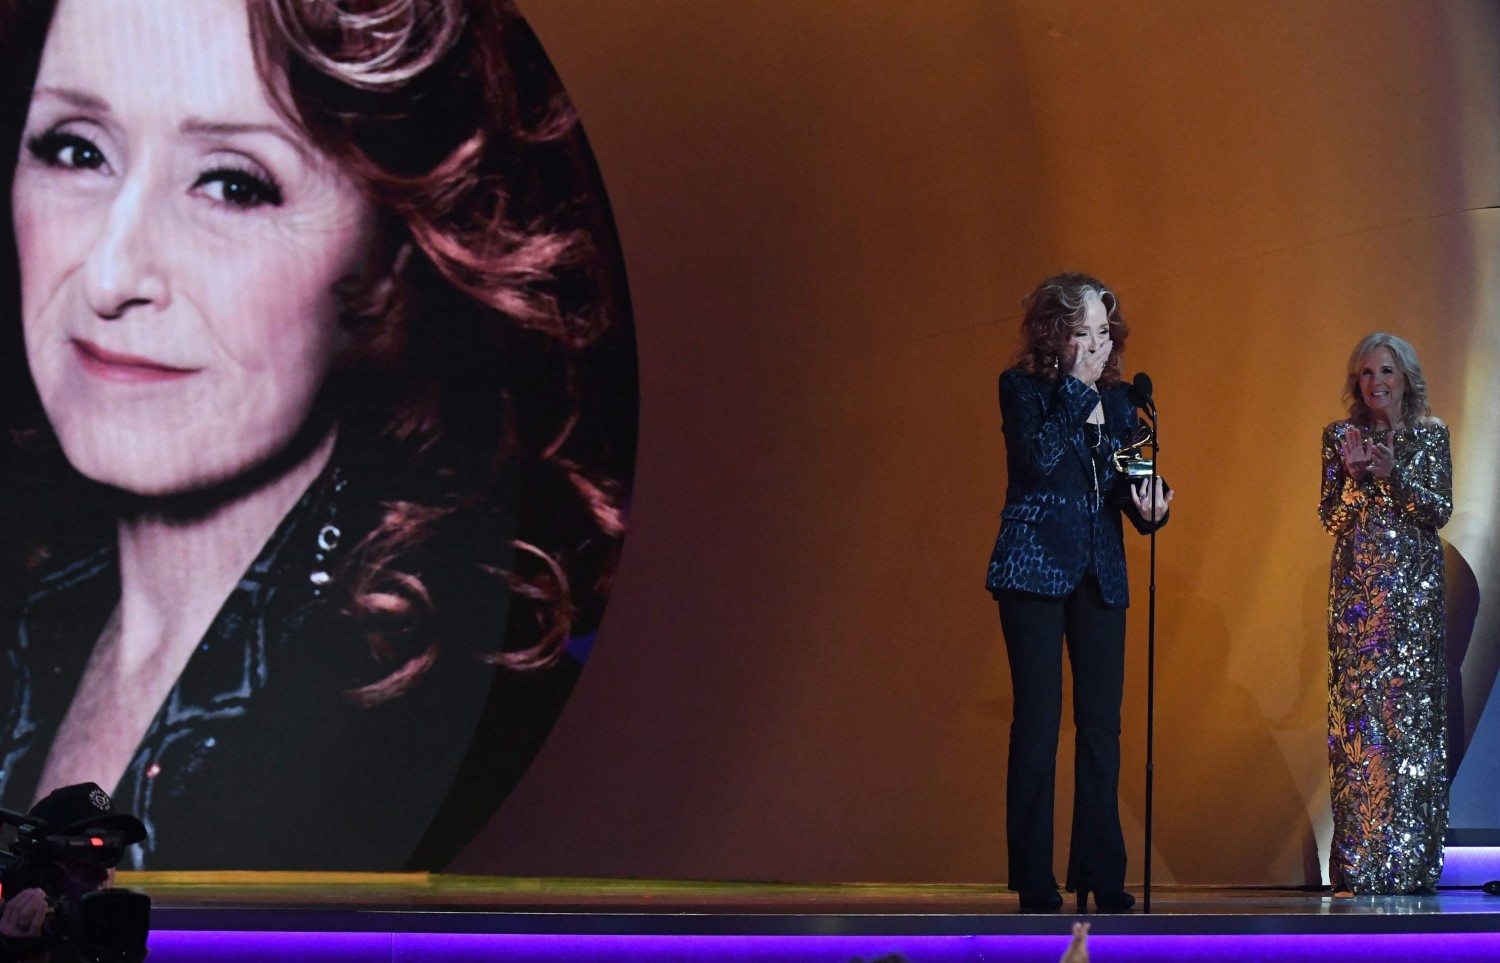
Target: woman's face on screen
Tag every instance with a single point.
(179, 247)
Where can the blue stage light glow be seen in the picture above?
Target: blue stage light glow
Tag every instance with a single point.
(1470, 865)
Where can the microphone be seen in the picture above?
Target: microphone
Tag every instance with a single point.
(1139, 392)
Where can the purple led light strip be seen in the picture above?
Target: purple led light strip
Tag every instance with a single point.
(243, 947)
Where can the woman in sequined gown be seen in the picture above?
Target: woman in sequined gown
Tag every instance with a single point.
(1387, 488)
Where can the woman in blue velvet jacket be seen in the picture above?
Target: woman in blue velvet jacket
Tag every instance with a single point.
(1058, 574)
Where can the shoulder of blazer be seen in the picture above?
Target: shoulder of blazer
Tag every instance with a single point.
(1019, 379)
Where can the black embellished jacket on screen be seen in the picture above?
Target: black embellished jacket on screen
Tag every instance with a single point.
(259, 758)
(1063, 498)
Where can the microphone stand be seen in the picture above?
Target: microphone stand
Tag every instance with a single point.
(1151, 654)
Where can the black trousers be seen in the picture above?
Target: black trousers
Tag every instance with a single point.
(1035, 628)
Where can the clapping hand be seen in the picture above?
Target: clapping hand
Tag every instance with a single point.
(1359, 453)
(1152, 509)
(1382, 459)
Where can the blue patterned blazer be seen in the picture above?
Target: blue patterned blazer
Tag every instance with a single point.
(1053, 524)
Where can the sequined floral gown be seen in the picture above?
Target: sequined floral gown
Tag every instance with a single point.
(1387, 671)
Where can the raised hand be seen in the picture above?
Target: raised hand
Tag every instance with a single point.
(1382, 459)
(1078, 946)
(1088, 363)
(1153, 509)
(1358, 454)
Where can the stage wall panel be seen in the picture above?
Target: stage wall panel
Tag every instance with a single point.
(830, 213)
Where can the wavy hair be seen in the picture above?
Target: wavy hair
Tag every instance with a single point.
(1414, 406)
(450, 116)
(1053, 310)
(491, 352)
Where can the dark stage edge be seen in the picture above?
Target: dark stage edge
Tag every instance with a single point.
(421, 904)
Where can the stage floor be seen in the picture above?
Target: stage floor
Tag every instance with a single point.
(420, 903)
(339, 918)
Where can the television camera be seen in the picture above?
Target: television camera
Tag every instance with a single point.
(70, 863)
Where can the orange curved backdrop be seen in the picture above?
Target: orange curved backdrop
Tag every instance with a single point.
(830, 211)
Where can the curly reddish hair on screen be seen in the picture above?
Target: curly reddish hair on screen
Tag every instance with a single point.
(1054, 309)
(450, 116)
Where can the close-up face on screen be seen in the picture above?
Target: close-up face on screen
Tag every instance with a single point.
(319, 420)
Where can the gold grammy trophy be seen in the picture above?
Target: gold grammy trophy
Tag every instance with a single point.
(1131, 460)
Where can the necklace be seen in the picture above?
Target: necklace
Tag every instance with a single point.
(1096, 446)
